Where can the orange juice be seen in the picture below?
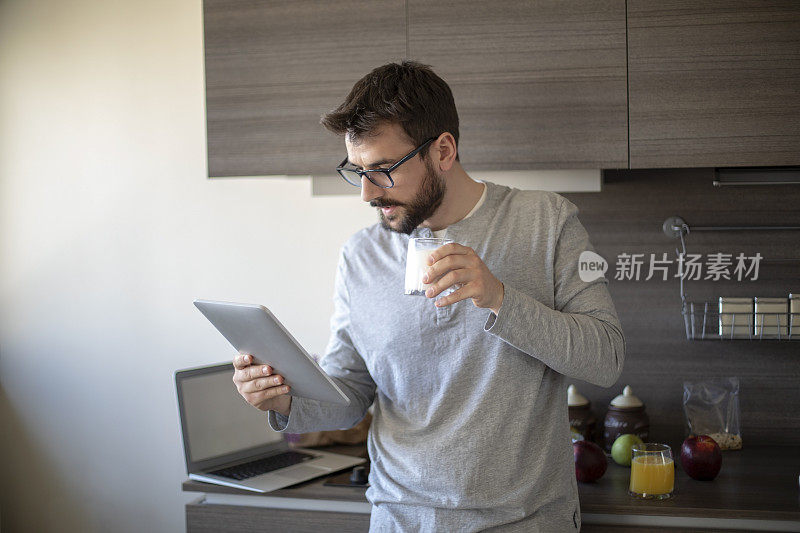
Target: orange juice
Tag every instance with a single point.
(652, 475)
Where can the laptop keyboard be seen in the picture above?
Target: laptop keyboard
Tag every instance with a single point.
(262, 466)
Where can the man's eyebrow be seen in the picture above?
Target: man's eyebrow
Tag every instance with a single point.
(376, 163)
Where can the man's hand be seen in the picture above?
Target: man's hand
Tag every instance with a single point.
(260, 387)
(456, 264)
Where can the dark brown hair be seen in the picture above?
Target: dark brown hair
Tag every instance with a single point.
(408, 93)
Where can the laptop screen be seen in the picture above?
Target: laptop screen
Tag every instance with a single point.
(218, 421)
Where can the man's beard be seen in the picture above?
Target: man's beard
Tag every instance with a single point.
(421, 208)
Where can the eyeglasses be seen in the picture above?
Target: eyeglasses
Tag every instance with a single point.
(381, 177)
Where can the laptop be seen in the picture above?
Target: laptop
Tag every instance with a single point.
(229, 442)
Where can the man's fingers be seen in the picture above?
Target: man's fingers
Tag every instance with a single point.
(463, 258)
(456, 296)
(261, 384)
(450, 262)
(245, 371)
(448, 280)
(242, 361)
(449, 249)
(274, 392)
(255, 372)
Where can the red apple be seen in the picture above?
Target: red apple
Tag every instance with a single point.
(701, 457)
(590, 461)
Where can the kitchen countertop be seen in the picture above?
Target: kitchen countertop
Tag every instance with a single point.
(757, 482)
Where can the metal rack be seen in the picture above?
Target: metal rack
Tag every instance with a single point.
(704, 321)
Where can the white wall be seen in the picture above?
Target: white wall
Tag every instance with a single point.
(108, 230)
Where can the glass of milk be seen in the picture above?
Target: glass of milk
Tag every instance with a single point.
(417, 263)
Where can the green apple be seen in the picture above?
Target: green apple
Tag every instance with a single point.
(621, 449)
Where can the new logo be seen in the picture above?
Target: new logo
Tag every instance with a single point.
(591, 266)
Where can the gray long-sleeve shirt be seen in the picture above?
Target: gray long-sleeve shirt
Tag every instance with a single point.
(470, 428)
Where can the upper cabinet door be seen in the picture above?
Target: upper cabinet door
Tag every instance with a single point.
(538, 84)
(274, 67)
(714, 83)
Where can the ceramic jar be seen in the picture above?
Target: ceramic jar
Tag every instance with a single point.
(580, 414)
(626, 414)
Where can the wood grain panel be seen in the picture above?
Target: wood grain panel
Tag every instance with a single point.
(627, 217)
(537, 84)
(240, 519)
(273, 68)
(714, 83)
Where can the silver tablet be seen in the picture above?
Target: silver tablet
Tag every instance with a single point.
(253, 329)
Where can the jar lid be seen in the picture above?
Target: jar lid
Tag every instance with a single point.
(626, 399)
(575, 398)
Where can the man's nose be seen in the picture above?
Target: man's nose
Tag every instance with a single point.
(369, 191)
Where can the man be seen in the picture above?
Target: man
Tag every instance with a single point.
(470, 428)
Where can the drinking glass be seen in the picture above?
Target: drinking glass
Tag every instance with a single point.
(417, 263)
(652, 471)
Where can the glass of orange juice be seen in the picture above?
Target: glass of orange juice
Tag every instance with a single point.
(652, 471)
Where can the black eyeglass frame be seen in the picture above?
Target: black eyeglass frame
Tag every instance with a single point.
(386, 171)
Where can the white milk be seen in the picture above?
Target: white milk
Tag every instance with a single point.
(417, 263)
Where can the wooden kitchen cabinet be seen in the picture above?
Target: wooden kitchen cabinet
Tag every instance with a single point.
(273, 68)
(714, 83)
(538, 85)
(201, 518)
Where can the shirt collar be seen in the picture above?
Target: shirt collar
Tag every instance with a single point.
(480, 215)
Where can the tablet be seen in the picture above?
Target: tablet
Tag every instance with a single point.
(252, 329)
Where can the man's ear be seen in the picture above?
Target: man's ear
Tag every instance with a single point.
(444, 150)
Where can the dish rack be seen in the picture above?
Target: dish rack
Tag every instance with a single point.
(703, 320)
(704, 323)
